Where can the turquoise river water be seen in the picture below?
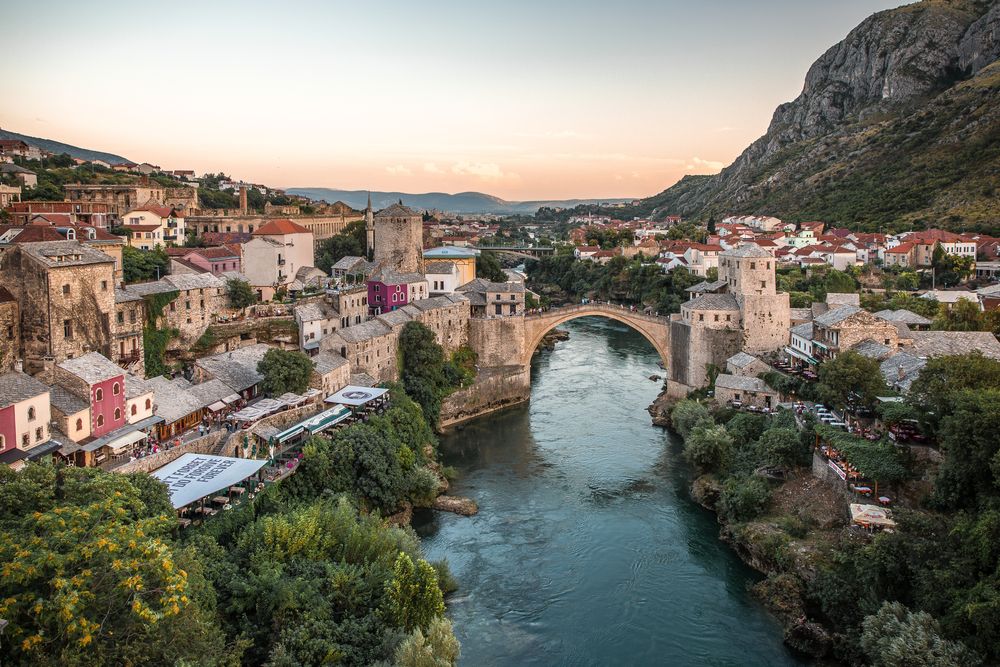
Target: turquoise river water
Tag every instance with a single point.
(587, 549)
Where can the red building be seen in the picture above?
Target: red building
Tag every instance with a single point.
(95, 379)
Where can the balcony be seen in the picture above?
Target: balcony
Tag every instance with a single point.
(129, 359)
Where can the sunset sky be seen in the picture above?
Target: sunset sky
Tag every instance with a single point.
(523, 99)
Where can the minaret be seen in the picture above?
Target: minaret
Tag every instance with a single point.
(370, 227)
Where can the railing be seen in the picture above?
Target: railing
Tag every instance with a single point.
(127, 359)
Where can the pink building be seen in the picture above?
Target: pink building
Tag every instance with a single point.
(216, 260)
(95, 379)
(389, 290)
(24, 418)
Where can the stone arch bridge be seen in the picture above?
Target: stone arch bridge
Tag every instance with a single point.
(654, 328)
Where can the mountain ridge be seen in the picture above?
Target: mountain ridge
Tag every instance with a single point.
(459, 202)
(897, 125)
(59, 147)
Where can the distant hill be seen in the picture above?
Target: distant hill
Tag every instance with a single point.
(59, 147)
(897, 126)
(462, 202)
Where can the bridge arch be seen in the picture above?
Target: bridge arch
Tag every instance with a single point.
(653, 328)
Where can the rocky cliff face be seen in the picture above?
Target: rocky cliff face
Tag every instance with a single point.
(891, 67)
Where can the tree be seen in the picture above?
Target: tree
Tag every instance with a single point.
(782, 447)
(241, 294)
(708, 445)
(488, 267)
(413, 597)
(686, 414)
(898, 637)
(438, 649)
(968, 478)
(942, 377)
(375, 460)
(285, 370)
(744, 498)
(422, 369)
(351, 242)
(142, 265)
(851, 380)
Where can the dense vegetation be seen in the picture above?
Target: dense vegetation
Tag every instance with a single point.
(240, 293)
(144, 265)
(426, 374)
(306, 574)
(488, 267)
(926, 594)
(284, 371)
(561, 278)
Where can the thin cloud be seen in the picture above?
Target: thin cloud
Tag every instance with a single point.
(704, 166)
(432, 168)
(488, 171)
(399, 170)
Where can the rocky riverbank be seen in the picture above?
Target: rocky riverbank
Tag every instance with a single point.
(550, 339)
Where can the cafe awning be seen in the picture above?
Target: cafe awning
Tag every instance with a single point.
(327, 418)
(195, 476)
(353, 395)
(871, 515)
(232, 398)
(123, 441)
(217, 406)
(289, 433)
(801, 355)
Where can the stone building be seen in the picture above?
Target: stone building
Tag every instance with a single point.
(745, 365)
(200, 299)
(56, 227)
(119, 198)
(66, 296)
(464, 260)
(24, 417)
(271, 259)
(320, 226)
(93, 378)
(744, 391)
(398, 236)
(389, 290)
(331, 373)
(10, 331)
(741, 311)
(78, 213)
(489, 299)
(130, 317)
(844, 327)
(167, 220)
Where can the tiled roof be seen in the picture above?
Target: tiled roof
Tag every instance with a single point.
(136, 386)
(172, 402)
(741, 383)
(65, 253)
(280, 227)
(713, 302)
(843, 299)
(351, 263)
(237, 368)
(310, 312)
(484, 286)
(901, 369)
(92, 368)
(67, 402)
(396, 211)
(326, 362)
(805, 330)
(215, 252)
(836, 315)
(747, 250)
(872, 349)
(190, 281)
(364, 331)
(440, 268)
(946, 343)
(16, 387)
(741, 360)
(6, 295)
(800, 313)
(902, 315)
(388, 276)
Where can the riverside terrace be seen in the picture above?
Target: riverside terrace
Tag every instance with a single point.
(196, 482)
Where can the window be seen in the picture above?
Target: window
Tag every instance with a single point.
(100, 420)
(763, 284)
(187, 305)
(66, 289)
(3, 443)
(115, 389)
(716, 317)
(118, 414)
(498, 297)
(79, 424)
(98, 394)
(104, 285)
(701, 317)
(24, 440)
(31, 413)
(67, 328)
(499, 309)
(38, 434)
(131, 316)
(753, 265)
(121, 317)
(149, 404)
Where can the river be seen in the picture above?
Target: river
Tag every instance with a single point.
(587, 549)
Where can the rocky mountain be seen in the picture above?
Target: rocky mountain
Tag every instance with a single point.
(898, 124)
(58, 147)
(462, 202)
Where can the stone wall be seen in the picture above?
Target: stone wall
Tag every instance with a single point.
(398, 243)
(203, 445)
(494, 389)
(498, 341)
(10, 334)
(765, 322)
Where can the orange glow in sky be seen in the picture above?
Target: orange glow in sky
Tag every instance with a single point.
(523, 100)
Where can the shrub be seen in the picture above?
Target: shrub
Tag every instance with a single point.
(744, 498)
(708, 445)
(782, 447)
(898, 637)
(686, 414)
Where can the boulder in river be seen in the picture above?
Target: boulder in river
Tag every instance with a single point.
(457, 505)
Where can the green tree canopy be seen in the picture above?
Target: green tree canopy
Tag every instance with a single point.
(898, 637)
(240, 293)
(351, 242)
(708, 445)
(851, 380)
(285, 370)
(488, 267)
(143, 265)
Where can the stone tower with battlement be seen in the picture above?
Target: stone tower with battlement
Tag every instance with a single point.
(749, 272)
(399, 239)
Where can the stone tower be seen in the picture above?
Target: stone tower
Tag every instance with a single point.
(370, 228)
(749, 274)
(399, 239)
(243, 200)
